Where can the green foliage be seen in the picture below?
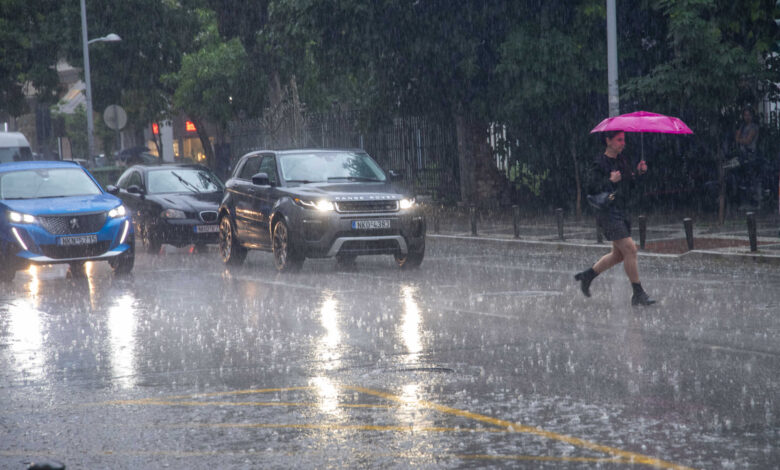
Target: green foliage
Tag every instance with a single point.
(211, 76)
(76, 131)
(29, 45)
(522, 176)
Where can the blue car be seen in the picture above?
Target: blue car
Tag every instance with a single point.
(56, 212)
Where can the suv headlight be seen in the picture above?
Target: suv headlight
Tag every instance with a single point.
(19, 218)
(321, 205)
(173, 214)
(406, 203)
(118, 211)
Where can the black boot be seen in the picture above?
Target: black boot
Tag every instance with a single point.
(640, 297)
(585, 278)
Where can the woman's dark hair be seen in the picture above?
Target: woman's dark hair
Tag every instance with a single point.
(611, 134)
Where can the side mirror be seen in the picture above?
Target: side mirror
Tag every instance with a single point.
(396, 175)
(261, 179)
(135, 189)
(111, 189)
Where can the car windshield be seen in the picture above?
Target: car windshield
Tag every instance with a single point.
(178, 180)
(329, 166)
(46, 182)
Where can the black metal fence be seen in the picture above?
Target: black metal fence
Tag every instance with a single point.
(424, 149)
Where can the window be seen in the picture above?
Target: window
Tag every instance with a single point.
(250, 168)
(269, 166)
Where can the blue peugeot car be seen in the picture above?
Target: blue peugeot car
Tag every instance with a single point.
(55, 212)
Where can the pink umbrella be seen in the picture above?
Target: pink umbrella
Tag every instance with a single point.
(643, 121)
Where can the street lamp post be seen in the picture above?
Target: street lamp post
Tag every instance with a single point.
(85, 46)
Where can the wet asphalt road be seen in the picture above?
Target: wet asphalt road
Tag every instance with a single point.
(488, 356)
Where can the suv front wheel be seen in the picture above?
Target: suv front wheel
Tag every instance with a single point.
(287, 257)
(231, 251)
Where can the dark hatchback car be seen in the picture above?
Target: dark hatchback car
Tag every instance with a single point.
(317, 204)
(172, 203)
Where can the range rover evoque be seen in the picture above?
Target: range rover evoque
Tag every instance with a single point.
(314, 203)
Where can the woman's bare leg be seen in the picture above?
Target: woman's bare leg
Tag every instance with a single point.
(610, 259)
(628, 249)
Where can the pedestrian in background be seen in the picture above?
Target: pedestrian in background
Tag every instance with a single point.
(613, 172)
(752, 163)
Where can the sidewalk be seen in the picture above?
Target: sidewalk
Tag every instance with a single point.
(665, 235)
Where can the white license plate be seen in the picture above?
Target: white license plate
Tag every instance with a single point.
(206, 228)
(370, 224)
(77, 240)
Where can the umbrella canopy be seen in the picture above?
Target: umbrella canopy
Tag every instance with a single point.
(643, 121)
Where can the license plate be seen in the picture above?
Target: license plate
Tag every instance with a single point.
(77, 240)
(370, 224)
(206, 228)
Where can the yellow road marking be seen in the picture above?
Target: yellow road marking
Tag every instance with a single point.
(339, 427)
(239, 403)
(629, 456)
(619, 455)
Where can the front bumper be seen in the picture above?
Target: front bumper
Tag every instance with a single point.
(185, 231)
(327, 234)
(31, 244)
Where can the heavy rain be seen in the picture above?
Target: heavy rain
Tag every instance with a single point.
(343, 234)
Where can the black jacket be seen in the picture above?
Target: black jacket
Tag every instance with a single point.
(598, 178)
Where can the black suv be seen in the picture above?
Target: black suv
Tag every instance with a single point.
(317, 204)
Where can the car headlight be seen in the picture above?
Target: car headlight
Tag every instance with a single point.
(406, 203)
(19, 218)
(321, 205)
(173, 214)
(118, 211)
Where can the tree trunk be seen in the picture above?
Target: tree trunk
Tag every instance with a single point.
(577, 181)
(721, 187)
(203, 135)
(465, 161)
(481, 183)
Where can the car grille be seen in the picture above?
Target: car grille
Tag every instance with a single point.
(76, 251)
(72, 224)
(208, 216)
(367, 206)
(367, 247)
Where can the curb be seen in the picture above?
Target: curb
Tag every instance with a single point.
(760, 258)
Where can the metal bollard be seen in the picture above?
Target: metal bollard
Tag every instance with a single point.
(473, 217)
(559, 217)
(599, 234)
(516, 220)
(688, 224)
(751, 226)
(436, 216)
(642, 231)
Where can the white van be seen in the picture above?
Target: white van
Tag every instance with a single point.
(14, 147)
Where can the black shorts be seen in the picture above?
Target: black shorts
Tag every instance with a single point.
(615, 224)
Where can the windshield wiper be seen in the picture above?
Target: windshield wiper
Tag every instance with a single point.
(354, 178)
(302, 181)
(192, 187)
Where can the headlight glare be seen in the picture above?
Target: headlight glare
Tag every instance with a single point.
(173, 214)
(321, 205)
(118, 211)
(19, 218)
(406, 203)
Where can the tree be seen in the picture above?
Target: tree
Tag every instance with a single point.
(155, 35)
(29, 46)
(208, 80)
(714, 62)
(552, 73)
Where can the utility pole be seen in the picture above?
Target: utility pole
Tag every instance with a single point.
(612, 63)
